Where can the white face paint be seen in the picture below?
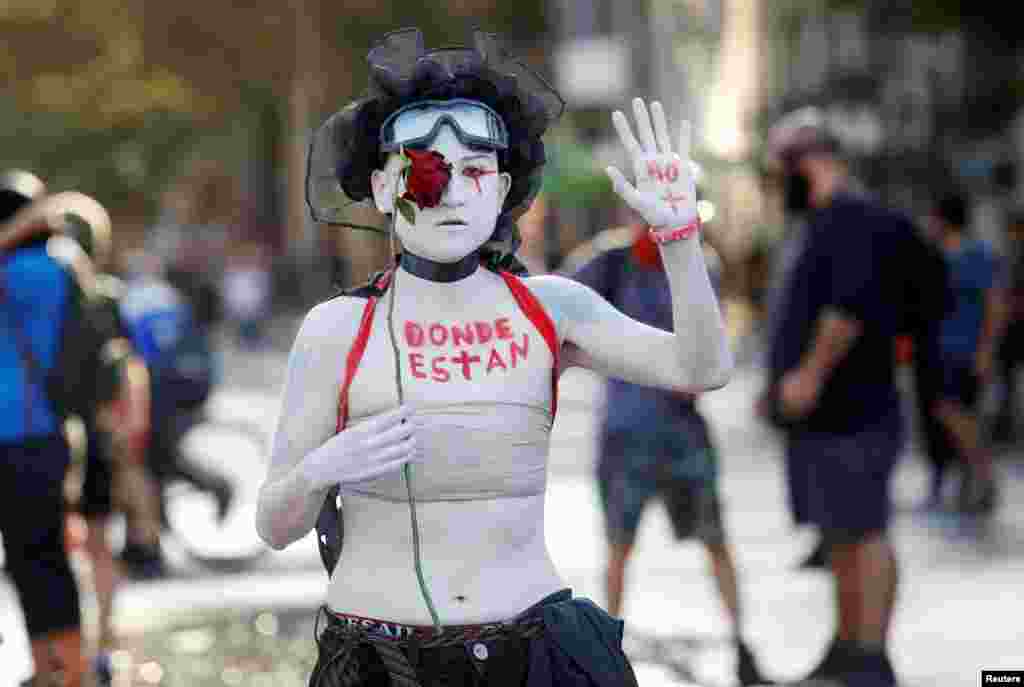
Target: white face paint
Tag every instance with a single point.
(468, 211)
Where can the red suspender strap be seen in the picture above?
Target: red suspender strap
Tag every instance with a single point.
(352, 362)
(383, 281)
(535, 312)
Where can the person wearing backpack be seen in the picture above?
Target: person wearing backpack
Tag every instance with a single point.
(163, 330)
(52, 365)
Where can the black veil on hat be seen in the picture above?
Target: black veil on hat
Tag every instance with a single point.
(346, 148)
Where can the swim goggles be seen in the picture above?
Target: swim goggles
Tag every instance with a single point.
(416, 124)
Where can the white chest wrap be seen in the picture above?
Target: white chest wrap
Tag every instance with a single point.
(479, 378)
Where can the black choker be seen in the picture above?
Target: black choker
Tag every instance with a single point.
(439, 271)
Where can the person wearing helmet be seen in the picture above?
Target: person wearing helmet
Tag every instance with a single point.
(425, 400)
(115, 461)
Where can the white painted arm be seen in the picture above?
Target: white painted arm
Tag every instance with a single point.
(307, 456)
(288, 503)
(694, 358)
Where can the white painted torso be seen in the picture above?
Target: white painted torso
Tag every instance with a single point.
(478, 374)
(483, 440)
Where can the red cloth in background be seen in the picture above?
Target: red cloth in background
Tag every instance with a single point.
(645, 250)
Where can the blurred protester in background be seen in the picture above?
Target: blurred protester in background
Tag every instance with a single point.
(1011, 345)
(246, 290)
(115, 469)
(655, 442)
(53, 364)
(967, 343)
(754, 275)
(177, 354)
(831, 384)
(919, 346)
(192, 272)
(190, 237)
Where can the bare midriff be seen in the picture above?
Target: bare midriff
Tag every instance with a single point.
(483, 560)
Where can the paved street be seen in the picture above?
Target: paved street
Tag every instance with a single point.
(960, 608)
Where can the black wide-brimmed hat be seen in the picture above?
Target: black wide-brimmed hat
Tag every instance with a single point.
(346, 148)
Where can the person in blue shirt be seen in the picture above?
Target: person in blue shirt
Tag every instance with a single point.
(39, 299)
(654, 442)
(967, 343)
(162, 328)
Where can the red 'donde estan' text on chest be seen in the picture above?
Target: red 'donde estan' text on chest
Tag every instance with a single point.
(443, 351)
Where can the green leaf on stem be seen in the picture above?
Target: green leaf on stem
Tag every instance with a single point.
(406, 208)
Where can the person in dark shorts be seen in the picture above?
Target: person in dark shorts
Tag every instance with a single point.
(43, 311)
(655, 443)
(967, 345)
(831, 383)
(115, 474)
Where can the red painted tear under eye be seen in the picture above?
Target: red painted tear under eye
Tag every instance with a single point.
(475, 173)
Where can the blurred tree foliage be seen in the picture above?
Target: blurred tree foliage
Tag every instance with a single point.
(110, 96)
(945, 15)
(992, 39)
(933, 16)
(572, 177)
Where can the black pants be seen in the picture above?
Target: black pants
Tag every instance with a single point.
(582, 649)
(504, 663)
(1010, 357)
(165, 458)
(32, 525)
(506, 666)
(96, 489)
(928, 382)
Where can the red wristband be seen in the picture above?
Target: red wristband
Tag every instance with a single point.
(676, 234)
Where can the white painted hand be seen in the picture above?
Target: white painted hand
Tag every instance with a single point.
(382, 444)
(665, 194)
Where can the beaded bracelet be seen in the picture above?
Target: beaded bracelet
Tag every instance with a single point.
(683, 232)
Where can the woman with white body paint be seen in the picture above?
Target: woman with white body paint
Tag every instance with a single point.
(440, 460)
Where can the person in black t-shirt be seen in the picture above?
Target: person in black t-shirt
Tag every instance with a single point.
(832, 388)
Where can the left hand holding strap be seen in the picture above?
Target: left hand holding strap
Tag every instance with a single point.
(665, 194)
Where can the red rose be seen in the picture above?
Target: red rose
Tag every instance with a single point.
(426, 177)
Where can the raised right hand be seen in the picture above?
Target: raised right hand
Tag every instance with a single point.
(665, 194)
(381, 444)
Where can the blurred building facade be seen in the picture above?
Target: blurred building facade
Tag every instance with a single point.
(917, 107)
(921, 99)
(668, 50)
(923, 96)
